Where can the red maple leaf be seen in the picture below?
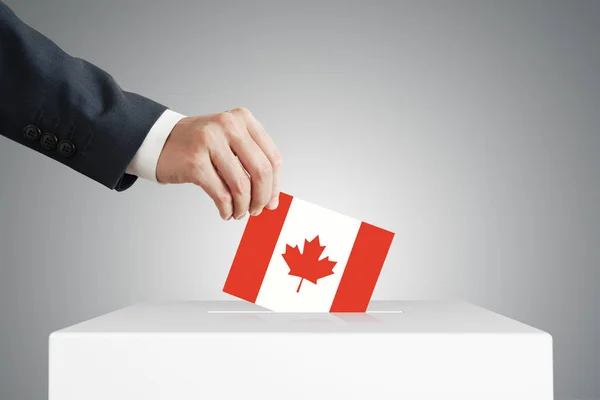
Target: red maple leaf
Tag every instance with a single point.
(307, 265)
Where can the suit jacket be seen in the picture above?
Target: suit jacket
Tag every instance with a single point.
(68, 109)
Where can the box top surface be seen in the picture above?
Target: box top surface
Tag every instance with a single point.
(238, 317)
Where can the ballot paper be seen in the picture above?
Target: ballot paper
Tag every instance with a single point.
(302, 257)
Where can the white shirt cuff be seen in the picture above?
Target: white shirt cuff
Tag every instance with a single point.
(145, 161)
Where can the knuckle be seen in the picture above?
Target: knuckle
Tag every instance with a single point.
(241, 185)
(237, 138)
(224, 198)
(277, 160)
(244, 112)
(263, 170)
(225, 119)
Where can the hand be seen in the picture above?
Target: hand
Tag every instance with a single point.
(230, 156)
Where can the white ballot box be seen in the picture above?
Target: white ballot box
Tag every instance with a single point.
(234, 350)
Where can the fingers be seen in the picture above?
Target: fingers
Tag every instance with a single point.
(209, 180)
(266, 145)
(257, 165)
(233, 175)
(230, 156)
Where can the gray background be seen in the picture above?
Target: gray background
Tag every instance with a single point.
(470, 128)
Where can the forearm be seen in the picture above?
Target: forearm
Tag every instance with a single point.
(70, 101)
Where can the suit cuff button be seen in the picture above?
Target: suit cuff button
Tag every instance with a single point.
(49, 141)
(66, 149)
(31, 132)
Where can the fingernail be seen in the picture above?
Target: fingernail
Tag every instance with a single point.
(273, 203)
(256, 213)
(228, 218)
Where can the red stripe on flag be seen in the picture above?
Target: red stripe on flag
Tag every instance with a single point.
(362, 270)
(255, 251)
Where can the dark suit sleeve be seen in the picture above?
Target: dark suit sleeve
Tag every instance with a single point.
(68, 109)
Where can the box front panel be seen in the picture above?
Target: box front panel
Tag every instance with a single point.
(295, 366)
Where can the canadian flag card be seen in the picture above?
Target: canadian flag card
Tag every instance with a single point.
(302, 257)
